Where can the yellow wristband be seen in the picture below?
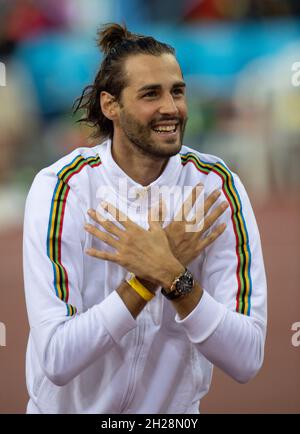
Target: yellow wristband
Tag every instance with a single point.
(139, 288)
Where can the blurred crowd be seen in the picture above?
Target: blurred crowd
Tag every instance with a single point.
(237, 59)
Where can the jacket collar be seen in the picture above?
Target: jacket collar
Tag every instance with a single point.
(126, 187)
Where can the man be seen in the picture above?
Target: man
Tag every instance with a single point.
(129, 314)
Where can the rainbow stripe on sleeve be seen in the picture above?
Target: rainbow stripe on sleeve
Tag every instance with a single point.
(244, 282)
(55, 226)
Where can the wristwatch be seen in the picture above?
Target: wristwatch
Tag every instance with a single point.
(182, 285)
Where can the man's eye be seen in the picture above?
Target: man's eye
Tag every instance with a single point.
(151, 94)
(178, 91)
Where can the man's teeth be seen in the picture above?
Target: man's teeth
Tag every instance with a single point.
(165, 129)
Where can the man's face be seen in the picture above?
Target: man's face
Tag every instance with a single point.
(153, 110)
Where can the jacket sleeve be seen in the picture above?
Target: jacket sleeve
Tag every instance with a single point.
(67, 339)
(228, 326)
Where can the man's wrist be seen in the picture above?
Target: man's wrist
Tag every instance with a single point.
(170, 274)
(152, 287)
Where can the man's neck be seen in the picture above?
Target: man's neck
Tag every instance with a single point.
(142, 168)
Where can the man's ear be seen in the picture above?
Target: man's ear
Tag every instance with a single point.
(109, 105)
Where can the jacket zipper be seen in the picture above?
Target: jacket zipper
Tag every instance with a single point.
(131, 384)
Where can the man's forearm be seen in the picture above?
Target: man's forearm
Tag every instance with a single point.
(135, 303)
(186, 304)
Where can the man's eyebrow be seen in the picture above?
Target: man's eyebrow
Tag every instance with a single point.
(155, 86)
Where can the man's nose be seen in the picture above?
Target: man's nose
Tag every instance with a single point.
(168, 106)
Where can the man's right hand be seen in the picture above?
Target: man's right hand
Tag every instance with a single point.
(187, 245)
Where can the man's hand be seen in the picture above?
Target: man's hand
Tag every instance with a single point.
(146, 253)
(186, 245)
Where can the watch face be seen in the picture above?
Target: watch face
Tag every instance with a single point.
(185, 283)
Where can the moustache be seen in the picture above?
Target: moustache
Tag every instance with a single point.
(167, 119)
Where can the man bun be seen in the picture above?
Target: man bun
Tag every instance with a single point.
(112, 34)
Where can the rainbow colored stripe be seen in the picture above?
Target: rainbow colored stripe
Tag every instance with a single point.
(244, 282)
(55, 226)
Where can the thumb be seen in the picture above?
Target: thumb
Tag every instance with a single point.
(162, 211)
(156, 215)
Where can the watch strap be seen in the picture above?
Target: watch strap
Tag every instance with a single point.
(172, 295)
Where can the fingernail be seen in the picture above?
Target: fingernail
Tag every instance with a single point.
(86, 226)
(89, 211)
(224, 205)
(217, 193)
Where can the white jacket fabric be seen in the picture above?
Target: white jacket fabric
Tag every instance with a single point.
(86, 353)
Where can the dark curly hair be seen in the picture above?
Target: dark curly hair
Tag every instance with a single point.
(117, 43)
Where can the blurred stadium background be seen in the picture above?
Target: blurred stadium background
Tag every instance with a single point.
(239, 60)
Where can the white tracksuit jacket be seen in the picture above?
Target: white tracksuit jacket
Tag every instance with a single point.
(86, 353)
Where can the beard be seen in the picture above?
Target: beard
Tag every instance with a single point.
(142, 136)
